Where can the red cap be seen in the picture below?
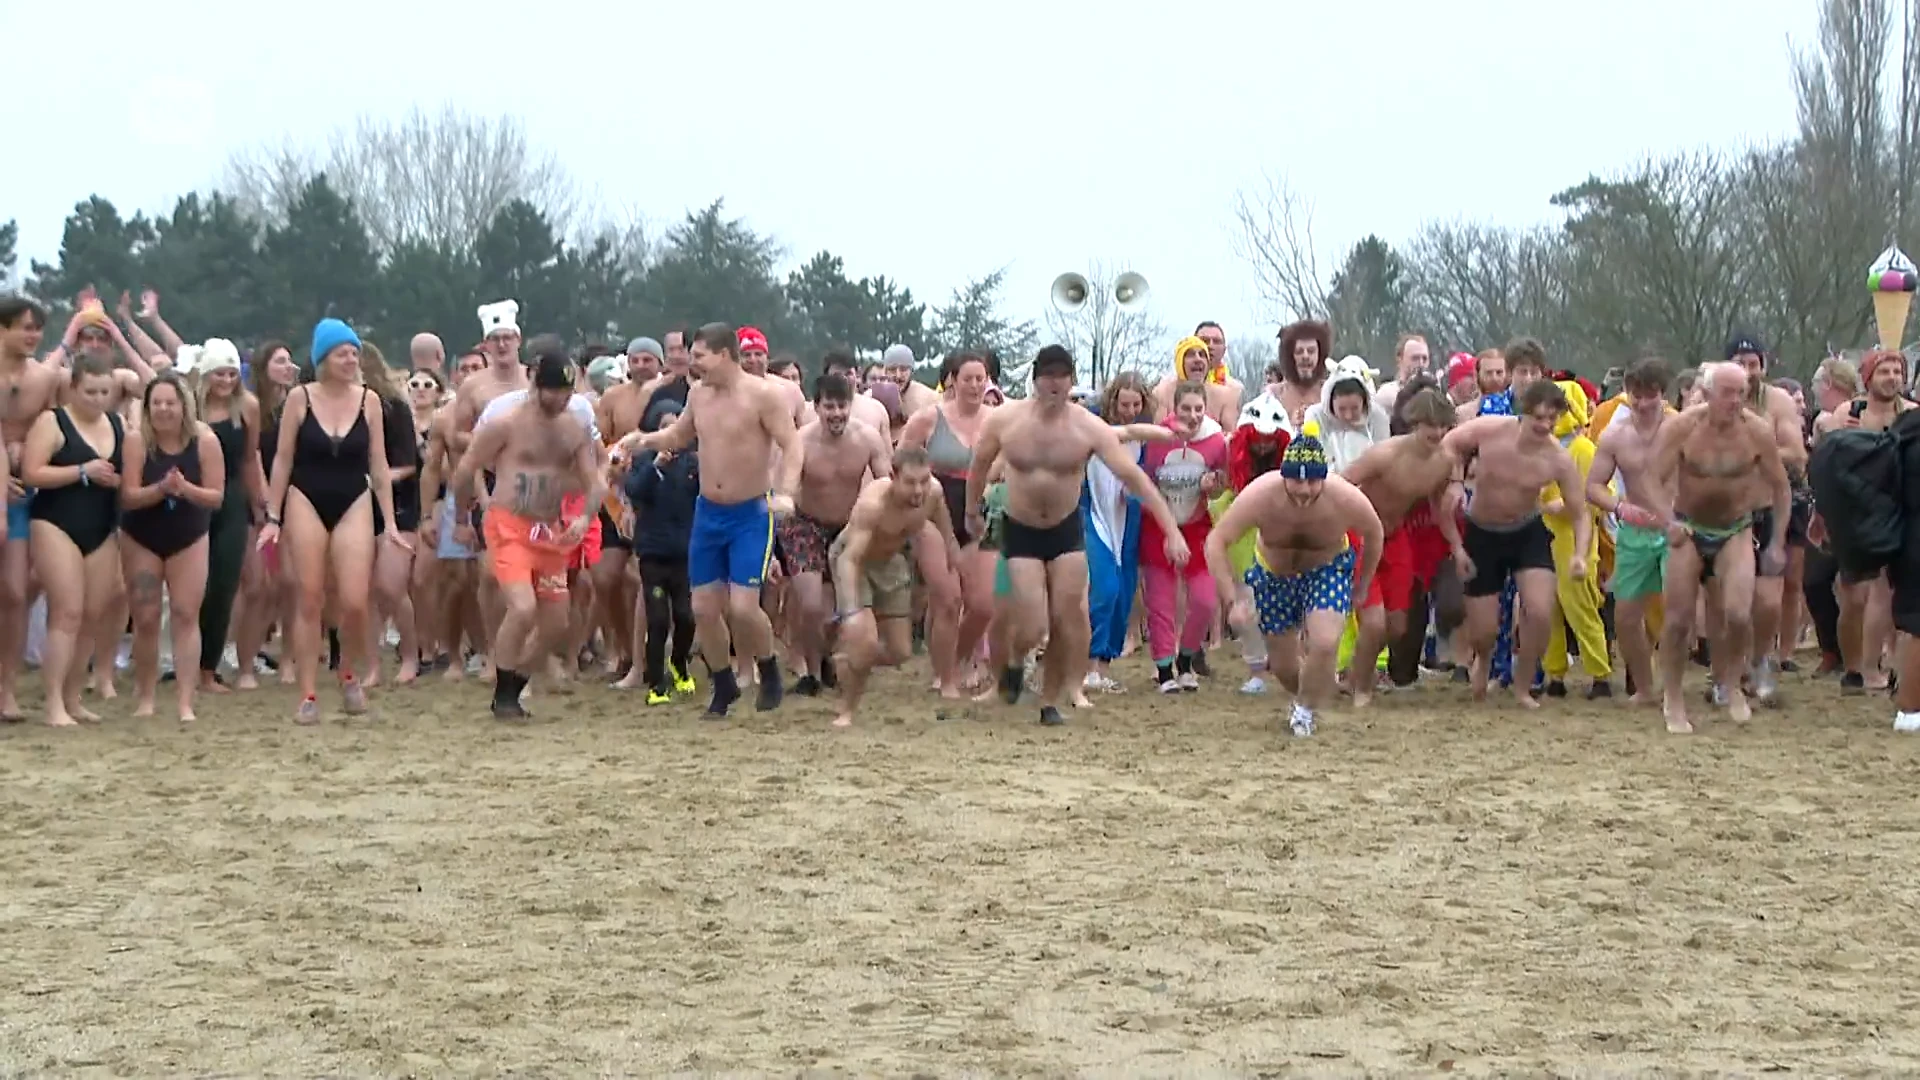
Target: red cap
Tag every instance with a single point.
(751, 340)
(1460, 367)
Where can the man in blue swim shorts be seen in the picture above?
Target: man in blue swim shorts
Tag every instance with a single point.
(740, 421)
(1303, 575)
(27, 389)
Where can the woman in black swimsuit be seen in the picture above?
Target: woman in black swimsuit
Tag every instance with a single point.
(233, 416)
(424, 388)
(266, 591)
(72, 455)
(175, 481)
(332, 443)
(393, 563)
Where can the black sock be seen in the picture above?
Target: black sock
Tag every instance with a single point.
(772, 691)
(507, 685)
(1183, 664)
(1164, 671)
(726, 690)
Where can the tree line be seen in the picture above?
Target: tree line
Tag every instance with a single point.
(409, 226)
(1668, 257)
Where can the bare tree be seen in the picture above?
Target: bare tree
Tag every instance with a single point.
(1107, 338)
(435, 176)
(1476, 286)
(1247, 360)
(1273, 234)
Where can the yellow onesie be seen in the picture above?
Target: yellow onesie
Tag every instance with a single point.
(1576, 601)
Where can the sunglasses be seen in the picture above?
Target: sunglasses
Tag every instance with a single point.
(422, 384)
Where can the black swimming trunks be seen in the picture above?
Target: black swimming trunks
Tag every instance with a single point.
(1046, 543)
(1500, 552)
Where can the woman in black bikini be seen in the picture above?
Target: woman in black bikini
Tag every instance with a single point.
(332, 443)
(175, 481)
(233, 417)
(393, 563)
(266, 591)
(72, 455)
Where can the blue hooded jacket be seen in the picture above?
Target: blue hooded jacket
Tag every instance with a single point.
(662, 501)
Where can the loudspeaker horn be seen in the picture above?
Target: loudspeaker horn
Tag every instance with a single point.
(1070, 292)
(1130, 291)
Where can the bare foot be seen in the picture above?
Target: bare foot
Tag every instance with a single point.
(82, 713)
(1524, 696)
(1675, 710)
(186, 714)
(409, 671)
(143, 708)
(1737, 706)
(1362, 699)
(246, 681)
(486, 669)
(290, 677)
(10, 706)
(951, 693)
(104, 688)
(61, 719)
(1080, 700)
(455, 672)
(843, 721)
(632, 681)
(1642, 700)
(372, 678)
(991, 693)
(210, 684)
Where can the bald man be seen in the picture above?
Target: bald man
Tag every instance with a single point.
(427, 352)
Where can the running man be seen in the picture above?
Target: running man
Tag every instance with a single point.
(873, 570)
(740, 420)
(540, 456)
(1303, 575)
(1644, 507)
(1716, 453)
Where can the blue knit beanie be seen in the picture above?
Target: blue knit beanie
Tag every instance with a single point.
(328, 335)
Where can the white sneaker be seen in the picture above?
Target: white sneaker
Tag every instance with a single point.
(1188, 681)
(1766, 687)
(1906, 722)
(1254, 685)
(1170, 686)
(1302, 721)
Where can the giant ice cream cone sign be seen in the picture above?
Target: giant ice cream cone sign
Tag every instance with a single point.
(1893, 279)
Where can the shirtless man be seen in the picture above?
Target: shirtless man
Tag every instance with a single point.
(499, 322)
(1644, 507)
(1409, 481)
(1198, 365)
(27, 389)
(1770, 589)
(455, 590)
(1517, 457)
(866, 410)
(873, 572)
(740, 421)
(897, 365)
(1045, 442)
(753, 361)
(540, 455)
(1303, 575)
(674, 380)
(1712, 454)
(426, 351)
(841, 453)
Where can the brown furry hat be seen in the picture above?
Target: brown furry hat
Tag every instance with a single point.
(1293, 334)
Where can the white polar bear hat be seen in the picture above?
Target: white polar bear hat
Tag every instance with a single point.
(500, 317)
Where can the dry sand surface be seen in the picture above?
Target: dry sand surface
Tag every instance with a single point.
(1169, 885)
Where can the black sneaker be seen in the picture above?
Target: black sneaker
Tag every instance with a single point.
(1853, 683)
(829, 678)
(1600, 689)
(807, 685)
(1200, 666)
(1051, 716)
(1557, 688)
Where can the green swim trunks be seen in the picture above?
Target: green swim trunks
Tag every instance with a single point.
(1639, 562)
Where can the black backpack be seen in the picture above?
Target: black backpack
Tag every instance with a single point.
(1858, 487)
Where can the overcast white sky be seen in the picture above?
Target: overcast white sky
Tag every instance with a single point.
(937, 142)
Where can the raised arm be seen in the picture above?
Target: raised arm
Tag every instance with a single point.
(674, 437)
(1107, 448)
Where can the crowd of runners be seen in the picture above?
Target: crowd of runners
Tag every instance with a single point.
(683, 517)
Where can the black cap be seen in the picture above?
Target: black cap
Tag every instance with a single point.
(553, 372)
(1745, 343)
(1054, 360)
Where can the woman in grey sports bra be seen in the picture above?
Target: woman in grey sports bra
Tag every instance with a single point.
(962, 608)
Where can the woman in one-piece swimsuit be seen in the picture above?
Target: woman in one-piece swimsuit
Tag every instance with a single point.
(266, 598)
(332, 451)
(174, 482)
(960, 608)
(72, 455)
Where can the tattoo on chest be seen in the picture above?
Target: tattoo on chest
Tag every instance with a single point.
(533, 490)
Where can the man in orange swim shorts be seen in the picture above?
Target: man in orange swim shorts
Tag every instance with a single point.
(544, 462)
